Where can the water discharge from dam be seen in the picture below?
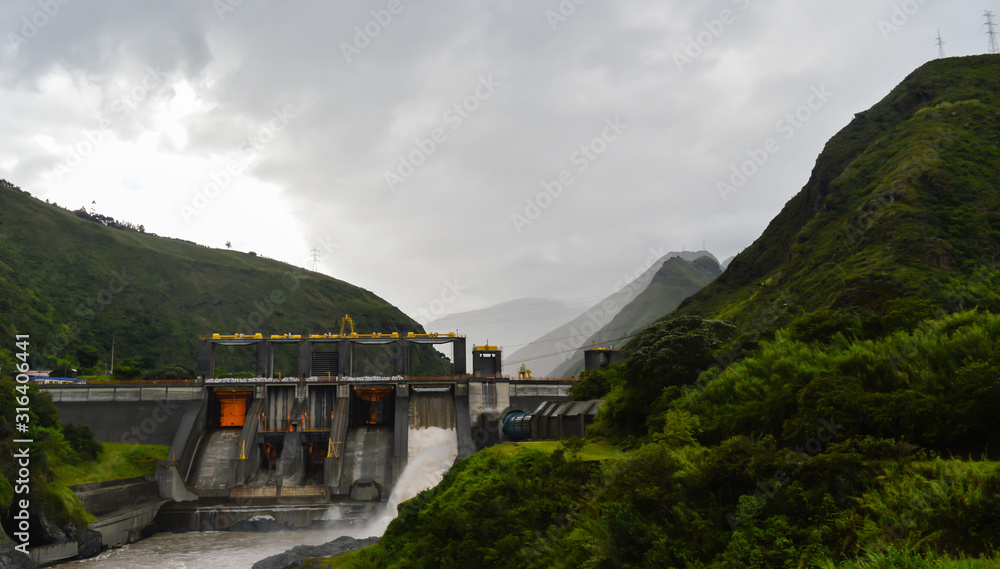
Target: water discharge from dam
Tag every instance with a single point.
(431, 450)
(432, 446)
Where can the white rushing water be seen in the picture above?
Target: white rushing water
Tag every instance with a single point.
(432, 451)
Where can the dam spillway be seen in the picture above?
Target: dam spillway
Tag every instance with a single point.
(432, 407)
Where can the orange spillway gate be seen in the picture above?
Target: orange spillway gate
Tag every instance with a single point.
(234, 408)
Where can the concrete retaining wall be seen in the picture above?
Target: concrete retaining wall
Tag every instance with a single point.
(135, 415)
(45, 554)
(106, 497)
(126, 526)
(82, 393)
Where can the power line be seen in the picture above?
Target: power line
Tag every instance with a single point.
(569, 351)
(990, 31)
(315, 259)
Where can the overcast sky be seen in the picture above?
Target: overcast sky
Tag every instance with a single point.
(411, 141)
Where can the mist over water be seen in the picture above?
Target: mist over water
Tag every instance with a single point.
(432, 451)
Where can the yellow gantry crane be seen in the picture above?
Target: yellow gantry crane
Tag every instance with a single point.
(344, 322)
(524, 373)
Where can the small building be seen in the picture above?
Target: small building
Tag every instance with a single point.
(486, 361)
(597, 358)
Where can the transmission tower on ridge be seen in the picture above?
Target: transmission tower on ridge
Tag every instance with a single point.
(315, 259)
(990, 31)
(940, 44)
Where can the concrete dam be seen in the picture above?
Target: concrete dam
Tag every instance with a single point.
(296, 449)
(240, 449)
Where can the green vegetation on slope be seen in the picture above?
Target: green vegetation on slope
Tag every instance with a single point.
(74, 284)
(902, 203)
(937, 387)
(588, 451)
(116, 462)
(485, 512)
(735, 471)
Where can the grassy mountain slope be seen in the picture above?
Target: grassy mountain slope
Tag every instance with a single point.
(73, 283)
(676, 280)
(901, 203)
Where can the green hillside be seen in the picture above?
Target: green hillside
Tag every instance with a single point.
(676, 280)
(902, 203)
(74, 283)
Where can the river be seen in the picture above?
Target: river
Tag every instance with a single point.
(432, 451)
(201, 550)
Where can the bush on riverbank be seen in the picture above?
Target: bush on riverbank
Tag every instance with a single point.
(811, 451)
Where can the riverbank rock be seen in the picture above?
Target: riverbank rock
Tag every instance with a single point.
(10, 557)
(90, 544)
(293, 558)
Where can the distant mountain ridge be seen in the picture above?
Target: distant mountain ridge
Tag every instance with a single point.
(547, 353)
(676, 280)
(511, 323)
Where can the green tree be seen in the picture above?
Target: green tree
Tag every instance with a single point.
(666, 356)
(596, 383)
(87, 356)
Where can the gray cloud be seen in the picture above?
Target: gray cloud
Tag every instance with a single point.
(653, 186)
